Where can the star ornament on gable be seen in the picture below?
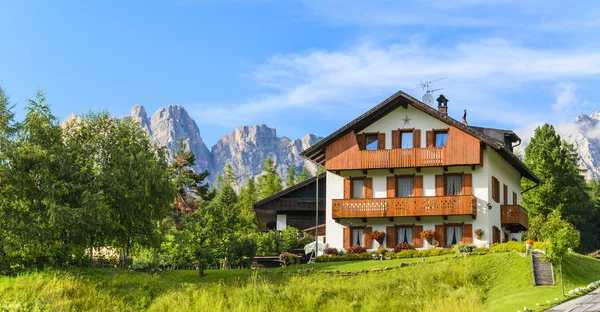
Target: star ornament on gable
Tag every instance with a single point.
(406, 120)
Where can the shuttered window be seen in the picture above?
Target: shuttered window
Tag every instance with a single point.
(406, 139)
(495, 189)
(453, 184)
(357, 237)
(358, 188)
(405, 235)
(454, 234)
(405, 186)
(372, 142)
(440, 138)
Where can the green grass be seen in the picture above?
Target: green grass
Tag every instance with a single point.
(494, 282)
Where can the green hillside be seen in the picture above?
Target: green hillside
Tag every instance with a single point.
(493, 282)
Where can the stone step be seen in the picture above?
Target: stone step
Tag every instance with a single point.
(543, 273)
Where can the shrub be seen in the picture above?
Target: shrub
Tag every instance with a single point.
(289, 239)
(346, 257)
(140, 264)
(481, 250)
(510, 246)
(382, 251)
(462, 247)
(330, 251)
(403, 246)
(356, 249)
(288, 258)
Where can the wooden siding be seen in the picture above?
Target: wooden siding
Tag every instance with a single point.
(514, 215)
(461, 148)
(404, 206)
(293, 204)
(345, 154)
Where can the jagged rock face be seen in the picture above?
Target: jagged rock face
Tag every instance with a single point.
(584, 134)
(247, 147)
(171, 123)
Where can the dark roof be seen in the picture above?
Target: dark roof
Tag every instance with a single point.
(289, 190)
(498, 134)
(316, 153)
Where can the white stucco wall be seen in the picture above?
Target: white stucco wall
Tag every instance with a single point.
(394, 121)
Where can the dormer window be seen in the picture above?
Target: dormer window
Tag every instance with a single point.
(372, 142)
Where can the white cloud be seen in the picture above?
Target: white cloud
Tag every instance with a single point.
(565, 97)
(479, 72)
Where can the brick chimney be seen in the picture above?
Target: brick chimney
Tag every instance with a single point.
(442, 104)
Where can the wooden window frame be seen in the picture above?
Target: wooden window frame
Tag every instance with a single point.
(495, 189)
(405, 226)
(397, 176)
(461, 224)
(405, 130)
(352, 186)
(364, 227)
(438, 131)
(462, 187)
(366, 134)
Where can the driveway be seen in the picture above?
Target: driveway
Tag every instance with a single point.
(589, 302)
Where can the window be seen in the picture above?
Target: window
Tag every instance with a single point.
(405, 186)
(357, 236)
(453, 184)
(440, 138)
(404, 234)
(358, 188)
(372, 142)
(495, 189)
(453, 234)
(406, 139)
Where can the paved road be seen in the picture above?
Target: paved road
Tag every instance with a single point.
(589, 302)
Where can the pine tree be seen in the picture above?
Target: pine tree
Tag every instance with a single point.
(191, 186)
(269, 182)
(563, 189)
(248, 196)
(290, 178)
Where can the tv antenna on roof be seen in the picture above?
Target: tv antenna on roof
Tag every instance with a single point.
(427, 98)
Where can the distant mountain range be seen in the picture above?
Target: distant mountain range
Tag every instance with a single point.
(245, 148)
(584, 134)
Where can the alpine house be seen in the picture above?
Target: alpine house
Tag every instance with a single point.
(403, 168)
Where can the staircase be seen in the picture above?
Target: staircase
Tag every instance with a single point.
(543, 273)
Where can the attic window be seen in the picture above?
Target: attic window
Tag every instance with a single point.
(372, 142)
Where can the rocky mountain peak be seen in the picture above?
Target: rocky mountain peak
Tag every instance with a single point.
(138, 114)
(595, 115)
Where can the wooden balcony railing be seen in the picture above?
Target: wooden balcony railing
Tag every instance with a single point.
(405, 207)
(401, 158)
(514, 216)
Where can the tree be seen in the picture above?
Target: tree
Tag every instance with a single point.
(269, 182)
(7, 130)
(563, 189)
(248, 196)
(290, 178)
(305, 174)
(190, 185)
(562, 236)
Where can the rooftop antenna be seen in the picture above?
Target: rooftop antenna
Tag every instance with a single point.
(427, 98)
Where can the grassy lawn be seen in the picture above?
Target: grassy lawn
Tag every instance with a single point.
(494, 282)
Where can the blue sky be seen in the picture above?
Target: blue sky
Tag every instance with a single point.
(304, 66)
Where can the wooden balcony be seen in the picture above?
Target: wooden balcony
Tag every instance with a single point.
(402, 158)
(405, 207)
(514, 217)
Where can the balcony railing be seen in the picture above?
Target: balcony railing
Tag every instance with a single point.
(514, 216)
(402, 158)
(405, 207)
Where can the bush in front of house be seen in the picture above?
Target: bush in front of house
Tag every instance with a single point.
(345, 257)
(403, 246)
(331, 251)
(288, 258)
(356, 249)
(518, 246)
(463, 247)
